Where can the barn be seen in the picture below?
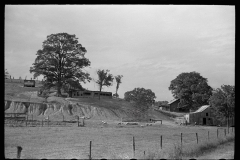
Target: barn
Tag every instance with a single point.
(202, 116)
(89, 94)
(175, 106)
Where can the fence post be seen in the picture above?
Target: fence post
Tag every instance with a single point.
(225, 132)
(90, 150)
(197, 137)
(133, 147)
(161, 141)
(83, 122)
(144, 154)
(208, 135)
(19, 149)
(181, 139)
(48, 120)
(217, 132)
(32, 119)
(26, 119)
(78, 121)
(161, 121)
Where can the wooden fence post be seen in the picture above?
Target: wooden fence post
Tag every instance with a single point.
(208, 135)
(197, 137)
(144, 154)
(133, 147)
(78, 121)
(32, 119)
(48, 120)
(217, 133)
(19, 149)
(90, 150)
(181, 139)
(161, 142)
(83, 122)
(26, 119)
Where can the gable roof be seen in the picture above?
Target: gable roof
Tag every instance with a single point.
(173, 101)
(201, 108)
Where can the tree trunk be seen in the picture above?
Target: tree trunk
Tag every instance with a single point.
(59, 86)
(100, 92)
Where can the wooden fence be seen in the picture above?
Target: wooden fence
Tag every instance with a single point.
(22, 119)
(160, 142)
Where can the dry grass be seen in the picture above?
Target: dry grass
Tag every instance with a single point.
(13, 89)
(191, 151)
(108, 141)
(171, 114)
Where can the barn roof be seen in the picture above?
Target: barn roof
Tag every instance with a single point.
(201, 108)
(173, 101)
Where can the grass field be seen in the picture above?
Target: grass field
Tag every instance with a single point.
(111, 141)
(14, 89)
(107, 141)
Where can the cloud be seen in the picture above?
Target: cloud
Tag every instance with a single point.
(148, 44)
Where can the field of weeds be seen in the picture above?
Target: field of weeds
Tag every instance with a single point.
(108, 141)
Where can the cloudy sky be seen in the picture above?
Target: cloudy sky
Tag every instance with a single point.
(149, 45)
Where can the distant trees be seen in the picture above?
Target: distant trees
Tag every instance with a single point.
(118, 80)
(104, 79)
(142, 97)
(223, 102)
(61, 62)
(192, 89)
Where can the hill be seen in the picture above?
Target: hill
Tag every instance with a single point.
(22, 99)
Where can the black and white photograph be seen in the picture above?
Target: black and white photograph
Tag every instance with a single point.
(119, 81)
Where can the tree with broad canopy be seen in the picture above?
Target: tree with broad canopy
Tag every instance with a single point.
(223, 102)
(142, 97)
(61, 62)
(192, 89)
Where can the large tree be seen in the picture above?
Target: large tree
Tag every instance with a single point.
(104, 79)
(118, 79)
(143, 98)
(192, 89)
(61, 61)
(223, 102)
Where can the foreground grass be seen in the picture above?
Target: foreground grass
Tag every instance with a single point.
(108, 141)
(191, 151)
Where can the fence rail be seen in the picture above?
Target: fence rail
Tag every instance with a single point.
(13, 119)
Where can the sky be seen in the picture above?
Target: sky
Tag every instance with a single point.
(150, 45)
